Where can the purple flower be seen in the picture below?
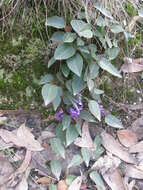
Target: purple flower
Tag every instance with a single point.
(74, 113)
(101, 108)
(59, 115)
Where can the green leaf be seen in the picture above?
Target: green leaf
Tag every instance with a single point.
(65, 70)
(77, 85)
(71, 135)
(95, 176)
(94, 109)
(85, 115)
(66, 122)
(113, 52)
(58, 147)
(52, 187)
(78, 127)
(97, 141)
(76, 161)
(107, 66)
(116, 28)
(93, 70)
(80, 42)
(69, 37)
(60, 133)
(81, 28)
(98, 152)
(75, 64)
(112, 121)
(98, 91)
(85, 152)
(56, 22)
(90, 84)
(56, 102)
(64, 51)
(57, 37)
(49, 93)
(51, 62)
(101, 21)
(102, 9)
(56, 168)
(47, 78)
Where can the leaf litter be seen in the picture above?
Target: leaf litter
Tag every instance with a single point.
(106, 170)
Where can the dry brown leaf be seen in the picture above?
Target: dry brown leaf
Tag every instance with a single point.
(129, 184)
(25, 163)
(85, 140)
(4, 145)
(106, 162)
(137, 127)
(6, 169)
(23, 185)
(114, 180)
(132, 171)
(136, 148)
(27, 139)
(127, 137)
(132, 65)
(115, 148)
(76, 184)
(62, 185)
(22, 138)
(44, 180)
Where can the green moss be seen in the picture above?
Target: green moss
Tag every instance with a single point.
(130, 9)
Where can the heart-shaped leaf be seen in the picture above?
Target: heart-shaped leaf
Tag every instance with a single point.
(49, 93)
(82, 28)
(64, 51)
(75, 64)
(107, 66)
(112, 121)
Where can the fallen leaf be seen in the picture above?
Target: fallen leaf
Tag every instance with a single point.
(106, 162)
(137, 127)
(85, 140)
(27, 139)
(114, 180)
(127, 137)
(4, 145)
(132, 171)
(62, 185)
(44, 180)
(23, 185)
(136, 148)
(76, 184)
(132, 65)
(25, 163)
(115, 148)
(6, 169)
(129, 184)
(22, 138)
